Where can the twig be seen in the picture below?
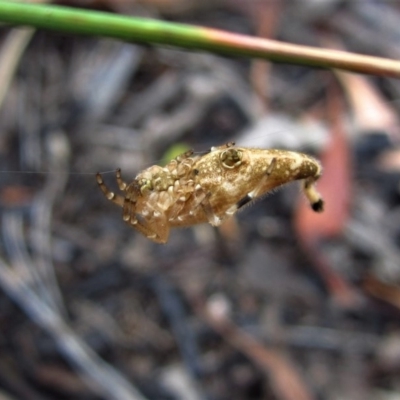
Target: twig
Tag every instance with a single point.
(142, 30)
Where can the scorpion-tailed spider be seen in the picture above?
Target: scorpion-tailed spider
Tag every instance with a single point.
(211, 187)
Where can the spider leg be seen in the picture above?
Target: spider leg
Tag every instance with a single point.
(157, 227)
(203, 201)
(150, 222)
(119, 200)
(184, 155)
(224, 146)
(121, 184)
(177, 207)
(127, 209)
(155, 237)
(156, 230)
(213, 218)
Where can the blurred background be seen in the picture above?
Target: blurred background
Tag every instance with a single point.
(278, 303)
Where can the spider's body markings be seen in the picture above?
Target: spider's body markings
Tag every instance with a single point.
(211, 187)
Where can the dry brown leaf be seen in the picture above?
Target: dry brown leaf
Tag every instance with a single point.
(370, 110)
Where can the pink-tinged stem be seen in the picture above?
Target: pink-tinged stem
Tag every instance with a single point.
(141, 30)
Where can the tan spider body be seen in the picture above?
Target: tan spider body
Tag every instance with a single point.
(192, 189)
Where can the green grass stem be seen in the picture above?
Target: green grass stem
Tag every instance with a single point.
(156, 32)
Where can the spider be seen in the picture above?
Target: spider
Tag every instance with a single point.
(210, 187)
